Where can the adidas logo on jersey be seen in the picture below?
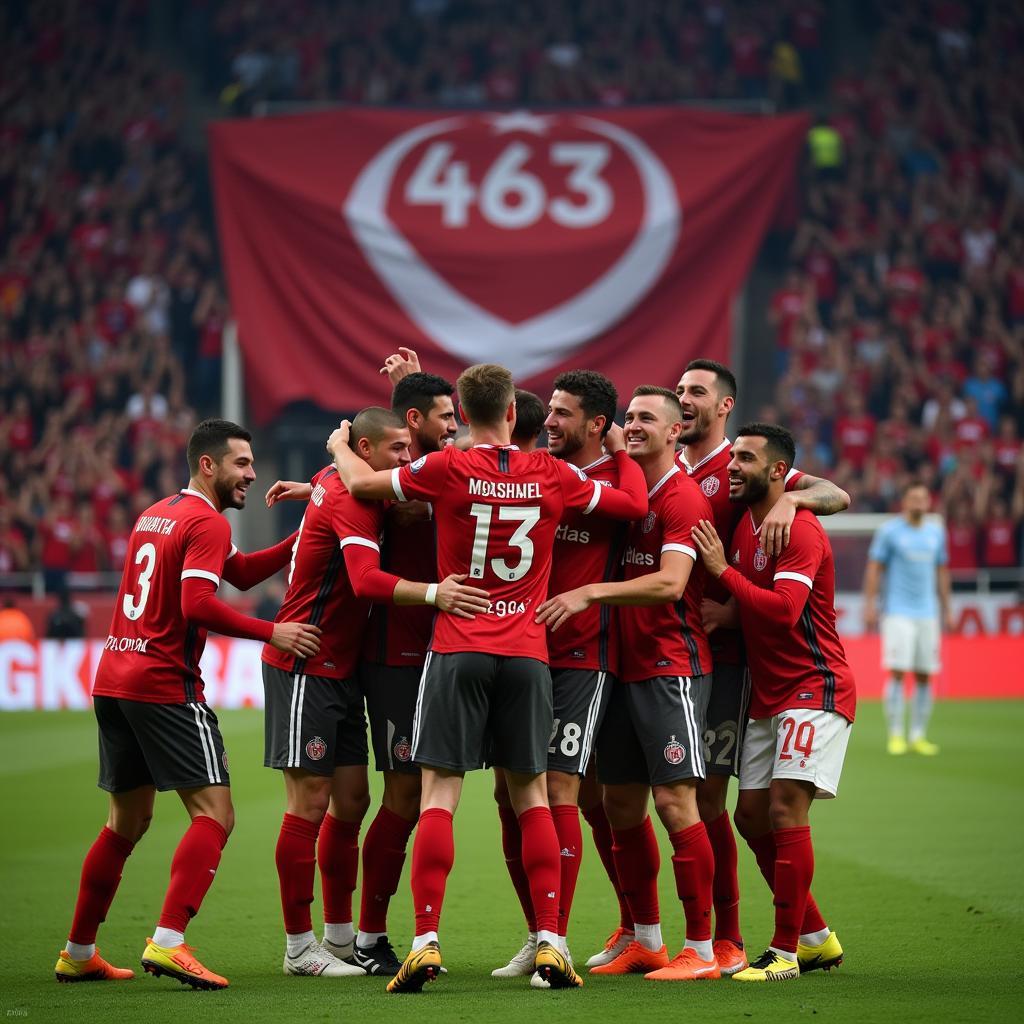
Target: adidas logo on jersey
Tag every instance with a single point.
(634, 557)
(575, 536)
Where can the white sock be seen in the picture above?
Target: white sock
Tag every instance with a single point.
(81, 950)
(893, 701)
(649, 936)
(563, 944)
(703, 947)
(167, 937)
(298, 942)
(920, 710)
(784, 953)
(816, 938)
(552, 937)
(366, 939)
(421, 940)
(339, 934)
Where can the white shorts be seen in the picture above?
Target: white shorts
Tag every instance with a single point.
(805, 744)
(910, 645)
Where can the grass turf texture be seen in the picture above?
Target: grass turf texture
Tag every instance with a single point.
(919, 869)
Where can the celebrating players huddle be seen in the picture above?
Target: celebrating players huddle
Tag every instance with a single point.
(634, 612)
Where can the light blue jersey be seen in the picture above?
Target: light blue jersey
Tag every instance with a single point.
(911, 555)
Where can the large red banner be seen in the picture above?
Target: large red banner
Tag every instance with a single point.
(614, 240)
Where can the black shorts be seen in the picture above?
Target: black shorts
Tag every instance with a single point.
(312, 722)
(390, 692)
(653, 732)
(726, 719)
(476, 707)
(170, 746)
(580, 698)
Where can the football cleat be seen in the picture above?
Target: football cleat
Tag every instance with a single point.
(537, 981)
(340, 950)
(687, 966)
(93, 969)
(317, 962)
(521, 964)
(378, 959)
(555, 967)
(769, 966)
(897, 745)
(730, 957)
(179, 962)
(634, 959)
(615, 944)
(925, 747)
(420, 966)
(820, 958)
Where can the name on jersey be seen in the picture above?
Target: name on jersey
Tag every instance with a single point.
(503, 489)
(575, 536)
(135, 644)
(155, 524)
(634, 557)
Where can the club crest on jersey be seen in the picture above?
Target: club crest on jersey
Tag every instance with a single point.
(316, 749)
(709, 485)
(224, 759)
(760, 559)
(736, 557)
(674, 752)
(416, 466)
(403, 750)
(649, 520)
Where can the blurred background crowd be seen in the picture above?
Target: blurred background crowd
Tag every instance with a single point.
(898, 328)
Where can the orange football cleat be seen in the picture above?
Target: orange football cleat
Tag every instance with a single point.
(93, 969)
(180, 963)
(634, 959)
(731, 958)
(687, 966)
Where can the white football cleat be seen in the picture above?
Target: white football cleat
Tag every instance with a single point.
(316, 962)
(616, 943)
(521, 965)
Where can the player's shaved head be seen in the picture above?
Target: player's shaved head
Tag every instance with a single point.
(486, 390)
(672, 406)
(373, 423)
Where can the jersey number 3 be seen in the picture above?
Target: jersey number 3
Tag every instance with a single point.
(133, 607)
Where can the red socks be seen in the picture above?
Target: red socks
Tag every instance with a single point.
(694, 867)
(794, 868)
(637, 862)
(192, 870)
(726, 884)
(433, 854)
(541, 863)
(512, 847)
(570, 844)
(296, 863)
(101, 874)
(383, 858)
(602, 832)
(764, 849)
(337, 855)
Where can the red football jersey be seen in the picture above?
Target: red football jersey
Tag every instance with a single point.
(497, 510)
(319, 591)
(665, 639)
(152, 653)
(803, 666)
(712, 473)
(400, 634)
(587, 550)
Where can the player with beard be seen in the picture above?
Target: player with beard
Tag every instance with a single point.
(803, 697)
(155, 729)
(583, 655)
(707, 394)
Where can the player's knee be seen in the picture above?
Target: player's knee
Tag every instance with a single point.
(402, 795)
(227, 820)
(710, 805)
(562, 788)
(749, 823)
(676, 806)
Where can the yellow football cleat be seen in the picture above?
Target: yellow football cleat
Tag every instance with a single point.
(923, 746)
(180, 963)
(93, 969)
(769, 966)
(419, 967)
(897, 745)
(820, 958)
(555, 967)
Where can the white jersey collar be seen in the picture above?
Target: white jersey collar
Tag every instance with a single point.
(707, 458)
(198, 494)
(668, 476)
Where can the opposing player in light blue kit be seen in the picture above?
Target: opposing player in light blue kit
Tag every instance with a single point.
(911, 555)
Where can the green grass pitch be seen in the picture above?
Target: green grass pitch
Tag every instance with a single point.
(920, 865)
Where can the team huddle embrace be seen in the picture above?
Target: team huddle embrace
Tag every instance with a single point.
(633, 612)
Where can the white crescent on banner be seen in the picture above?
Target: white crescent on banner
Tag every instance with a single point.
(461, 326)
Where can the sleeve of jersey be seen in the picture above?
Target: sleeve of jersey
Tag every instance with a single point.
(246, 570)
(793, 477)
(200, 605)
(368, 580)
(627, 501)
(879, 550)
(206, 550)
(679, 517)
(423, 479)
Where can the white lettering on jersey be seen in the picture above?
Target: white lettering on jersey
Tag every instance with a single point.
(155, 524)
(503, 489)
(634, 557)
(576, 536)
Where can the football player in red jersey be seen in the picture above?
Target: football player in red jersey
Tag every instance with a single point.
(707, 394)
(583, 655)
(803, 697)
(486, 686)
(155, 729)
(316, 730)
(652, 738)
